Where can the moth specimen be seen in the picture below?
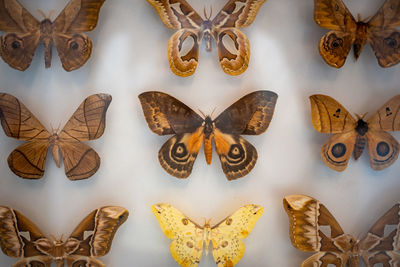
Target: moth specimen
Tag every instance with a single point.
(166, 115)
(179, 15)
(189, 237)
(380, 31)
(92, 238)
(24, 33)
(314, 229)
(351, 136)
(28, 160)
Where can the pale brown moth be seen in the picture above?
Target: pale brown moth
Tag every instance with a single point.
(28, 160)
(250, 115)
(179, 15)
(380, 31)
(23, 33)
(92, 238)
(351, 135)
(313, 229)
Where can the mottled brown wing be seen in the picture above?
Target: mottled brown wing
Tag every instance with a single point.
(19, 43)
(167, 115)
(29, 160)
(80, 160)
(74, 47)
(387, 118)
(20, 238)
(89, 120)
(383, 149)
(308, 222)
(335, 46)
(184, 64)
(94, 235)
(382, 243)
(388, 16)
(250, 115)
(328, 116)
(18, 122)
(237, 13)
(386, 45)
(177, 14)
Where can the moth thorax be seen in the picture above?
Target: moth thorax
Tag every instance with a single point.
(55, 149)
(206, 28)
(208, 126)
(361, 38)
(46, 27)
(362, 127)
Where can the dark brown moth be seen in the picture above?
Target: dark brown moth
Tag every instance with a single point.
(351, 136)
(250, 115)
(380, 31)
(24, 33)
(92, 238)
(314, 229)
(28, 160)
(179, 15)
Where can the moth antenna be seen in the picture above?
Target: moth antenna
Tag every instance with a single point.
(204, 116)
(53, 237)
(59, 126)
(363, 116)
(42, 13)
(210, 12)
(61, 238)
(213, 111)
(52, 12)
(205, 13)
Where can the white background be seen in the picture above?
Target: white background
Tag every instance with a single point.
(129, 57)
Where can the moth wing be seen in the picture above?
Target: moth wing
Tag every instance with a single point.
(29, 160)
(96, 232)
(250, 115)
(19, 43)
(388, 16)
(387, 118)
(187, 237)
(321, 259)
(184, 64)
(335, 46)
(167, 115)
(383, 149)
(74, 47)
(334, 15)
(237, 13)
(80, 160)
(381, 245)
(328, 116)
(226, 237)
(88, 121)
(337, 150)
(176, 14)
(18, 122)
(386, 44)
(21, 238)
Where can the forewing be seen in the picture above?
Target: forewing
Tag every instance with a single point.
(383, 149)
(387, 118)
(29, 160)
(187, 237)
(334, 15)
(80, 160)
(237, 13)
(227, 236)
(386, 45)
(18, 122)
(89, 120)
(328, 116)
(238, 157)
(250, 115)
(388, 16)
(382, 243)
(19, 43)
(167, 115)
(234, 60)
(176, 14)
(322, 259)
(184, 64)
(337, 150)
(178, 154)
(335, 46)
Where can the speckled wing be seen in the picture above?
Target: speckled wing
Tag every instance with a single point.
(20, 238)
(382, 243)
(226, 237)
(308, 218)
(187, 237)
(93, 236)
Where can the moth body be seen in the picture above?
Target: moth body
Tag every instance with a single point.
(54, 140)
(46, 36)
(206, 30)
(360, 39)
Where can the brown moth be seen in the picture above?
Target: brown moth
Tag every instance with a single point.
(314, 229)
(179, 15)
(166, 115)
(92, 238)
(24, 33)
(28, 160)
(351, 136)
(380, 31)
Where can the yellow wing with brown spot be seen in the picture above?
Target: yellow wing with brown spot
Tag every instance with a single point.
(228, 247)
(187, 245)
